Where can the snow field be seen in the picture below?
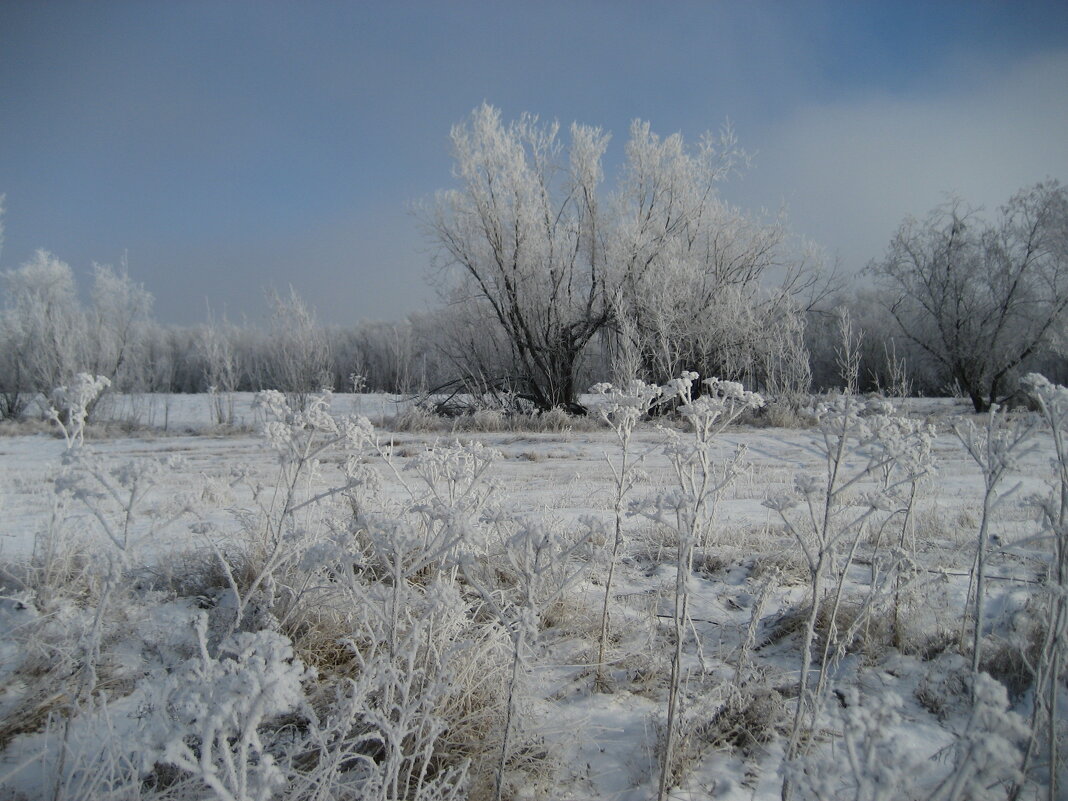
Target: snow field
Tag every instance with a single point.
(322, 609)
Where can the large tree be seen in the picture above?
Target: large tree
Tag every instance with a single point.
(523, 227)
(979, 297)
(671, 273)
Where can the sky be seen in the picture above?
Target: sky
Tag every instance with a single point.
(222, 148)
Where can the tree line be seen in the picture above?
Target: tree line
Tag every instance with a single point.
(671, 277)
(551, 282)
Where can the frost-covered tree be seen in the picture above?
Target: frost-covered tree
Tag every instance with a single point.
(42, 329)
(298, 356)
(697, 274)
(119, 319)
(979, 298)
(669, 272)
(217, 348)
(48, 335)
(524, 229)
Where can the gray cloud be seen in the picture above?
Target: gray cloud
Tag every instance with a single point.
(850, 171)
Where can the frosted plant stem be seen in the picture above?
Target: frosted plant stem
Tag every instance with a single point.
(623, 409)
(62, 760)
(994, 450)
(1051, 404)
(617, 546)
(693, 510)
(601, 681)
(746, 650)
(804, 695)
(902, 543)
(1054, 756)
(506, 739)
(968, 602)
(681, 615)
(832, 630)
(980, 587)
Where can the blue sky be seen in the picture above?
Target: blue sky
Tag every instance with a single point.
(224, 147)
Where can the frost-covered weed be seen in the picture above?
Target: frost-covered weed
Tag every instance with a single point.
(688, 509)
(390, 595)
(81, 596)
(411, 685)
(873, 462)
(119, 524)
(291, 515)
(423, 617)
(621, 409)
(416, 419)
(206, 718)
(995, 448)
(747, 719)
(412, 641)
(456, 492)
(429, 676)
(80, 584)
(986, 755)
(743, 673)
(1047, 720)
(541, 560)
(365, 748)
(871, 761)
(945, 686)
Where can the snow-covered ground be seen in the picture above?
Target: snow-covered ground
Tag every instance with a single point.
(747, 595)
(184, 413)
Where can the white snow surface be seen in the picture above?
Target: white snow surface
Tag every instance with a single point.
(603, 744)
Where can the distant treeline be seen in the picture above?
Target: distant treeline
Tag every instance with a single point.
(958, 305)
(47, 336)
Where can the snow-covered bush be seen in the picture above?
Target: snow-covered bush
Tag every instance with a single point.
(70, 405)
